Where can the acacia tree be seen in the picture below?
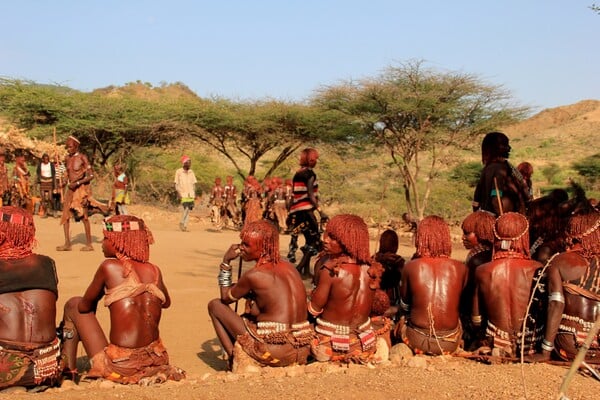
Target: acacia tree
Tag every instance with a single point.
(421, 116)
(258, 130)
(107, 126)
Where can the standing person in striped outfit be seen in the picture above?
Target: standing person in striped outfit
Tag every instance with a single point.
(302, 217)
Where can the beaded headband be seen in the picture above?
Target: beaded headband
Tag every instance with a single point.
(122, 226)
(18, 219)
(73, 138)
(505, 241)
(592, 229)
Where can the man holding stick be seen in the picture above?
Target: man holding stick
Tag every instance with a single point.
(273, 330)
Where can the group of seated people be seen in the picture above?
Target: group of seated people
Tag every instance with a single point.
(35, 354)
(500, 302)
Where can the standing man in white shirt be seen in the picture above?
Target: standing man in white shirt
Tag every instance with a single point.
(185, 185)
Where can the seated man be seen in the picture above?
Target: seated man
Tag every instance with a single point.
(135, 294)
(503, 289)
(274, 331)
(30, 351)
(343, 296)
(574, 292)
(430, 293)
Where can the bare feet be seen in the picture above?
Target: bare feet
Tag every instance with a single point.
(87, 248)
(64, 247)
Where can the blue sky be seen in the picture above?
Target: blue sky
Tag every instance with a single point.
(546, 53)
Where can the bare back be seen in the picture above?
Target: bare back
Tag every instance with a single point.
(346, 298)
(28, 316)
(279, 292)
(134, 319)
(504, 288)
(433, 287)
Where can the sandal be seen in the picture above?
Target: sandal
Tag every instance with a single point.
(63, 248)
(87, 248)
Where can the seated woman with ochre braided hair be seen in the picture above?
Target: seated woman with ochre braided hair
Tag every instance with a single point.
(432, 284)
(134, 292)
(503, 289)
(343, 298)
(274, 330)
(29, 348)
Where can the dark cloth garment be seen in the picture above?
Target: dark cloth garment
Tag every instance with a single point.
(28, 364)
(32, 272)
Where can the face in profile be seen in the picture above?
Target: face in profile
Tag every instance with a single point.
(251, 247)
(331, 245)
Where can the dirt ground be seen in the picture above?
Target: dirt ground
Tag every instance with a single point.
(189, 262)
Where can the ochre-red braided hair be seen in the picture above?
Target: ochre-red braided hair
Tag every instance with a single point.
(585, 228)
(269, 234)
(512, 233)
(481, 223)
(432, 238)
(133, 244)
(352, 233)
(17, 232)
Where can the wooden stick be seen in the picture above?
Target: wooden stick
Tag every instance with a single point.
(498, 196)
(238, 279)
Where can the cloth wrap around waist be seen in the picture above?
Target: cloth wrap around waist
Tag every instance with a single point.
(277, 344)
(342, 343)
(126, 366)
(431, 341)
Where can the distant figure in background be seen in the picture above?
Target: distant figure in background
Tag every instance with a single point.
(120, 190)
(135, 294)
(253, 204)
(29, 347)
(4, 181)
(216, 203)
(231, 208)
(61, 176)
(46, 178)
(501, 187)
(301, 219)
(21, 196)
(78, 198)
(526, 170)
(432, 284)
(185, 185)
